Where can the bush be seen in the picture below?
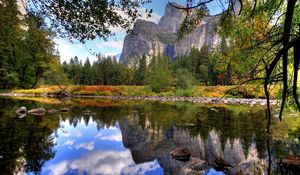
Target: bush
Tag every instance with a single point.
(240, 92)
(160, 80)
(184, 79)
(184, 92)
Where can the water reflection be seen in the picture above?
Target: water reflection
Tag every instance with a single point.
(136, 138)
(82, 149)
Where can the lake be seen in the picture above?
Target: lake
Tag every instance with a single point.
(135, 137)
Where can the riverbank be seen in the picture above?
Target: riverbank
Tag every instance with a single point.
(248, 95)
(201, 100)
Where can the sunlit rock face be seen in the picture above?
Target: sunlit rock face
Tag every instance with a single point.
(150, 38)
(172, 19)
(144, 39)
(204, 34)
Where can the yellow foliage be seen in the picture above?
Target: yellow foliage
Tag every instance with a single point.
(199, 91)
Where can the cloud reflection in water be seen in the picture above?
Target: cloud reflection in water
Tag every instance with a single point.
(87, 151)
(103, 162)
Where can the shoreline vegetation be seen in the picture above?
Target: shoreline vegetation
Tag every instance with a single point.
(233, 95)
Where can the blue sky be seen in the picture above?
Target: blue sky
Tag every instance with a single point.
(114, 44)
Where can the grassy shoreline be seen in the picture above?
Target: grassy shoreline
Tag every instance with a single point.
(248, 91)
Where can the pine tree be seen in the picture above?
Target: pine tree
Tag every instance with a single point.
(140, 75)
(87, 73)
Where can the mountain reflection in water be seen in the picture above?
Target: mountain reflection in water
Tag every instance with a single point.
(129, 137)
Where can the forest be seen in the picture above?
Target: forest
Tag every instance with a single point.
(200, 67)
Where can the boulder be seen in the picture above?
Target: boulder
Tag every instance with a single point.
(181, 153)
(21, 111)
(37, 111)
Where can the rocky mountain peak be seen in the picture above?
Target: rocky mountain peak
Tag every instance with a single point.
(172, 19)
(150, 38)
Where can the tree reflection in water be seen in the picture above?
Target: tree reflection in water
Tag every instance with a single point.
(149, 130)
(25, 144)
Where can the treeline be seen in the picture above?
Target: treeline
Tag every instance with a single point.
(27, 54)
(200, 67)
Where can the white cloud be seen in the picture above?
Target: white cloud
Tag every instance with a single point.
(104, 162)
(59, 168)
(142, 11)
(88, 146)
(69, 142)
(110, 54)
(154, 16)
(68, 50)
(141, 168)
(66, 134)
(78, 134)
(112, 44)
(116, 136)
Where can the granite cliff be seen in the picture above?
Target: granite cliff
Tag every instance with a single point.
(149, 38)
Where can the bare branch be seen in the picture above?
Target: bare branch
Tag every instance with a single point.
(254, 7)
(188, 8)
(296, 68)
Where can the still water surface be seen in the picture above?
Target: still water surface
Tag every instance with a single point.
(135, 137)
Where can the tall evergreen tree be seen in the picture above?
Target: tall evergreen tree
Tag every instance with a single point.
(160, 76)
(140, 75)
(86, 75)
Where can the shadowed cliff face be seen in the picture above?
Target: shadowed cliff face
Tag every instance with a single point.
(150, 38)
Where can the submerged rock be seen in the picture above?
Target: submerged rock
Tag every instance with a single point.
(52, 111)
(22, 115)
(221, 164)
(195, 166)
(37, 111)
(88, 112)
(21, 111)
(181, 153)
(213, 109)
(251, 167)
(290, 164)
(64, 109)
(291, 160)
